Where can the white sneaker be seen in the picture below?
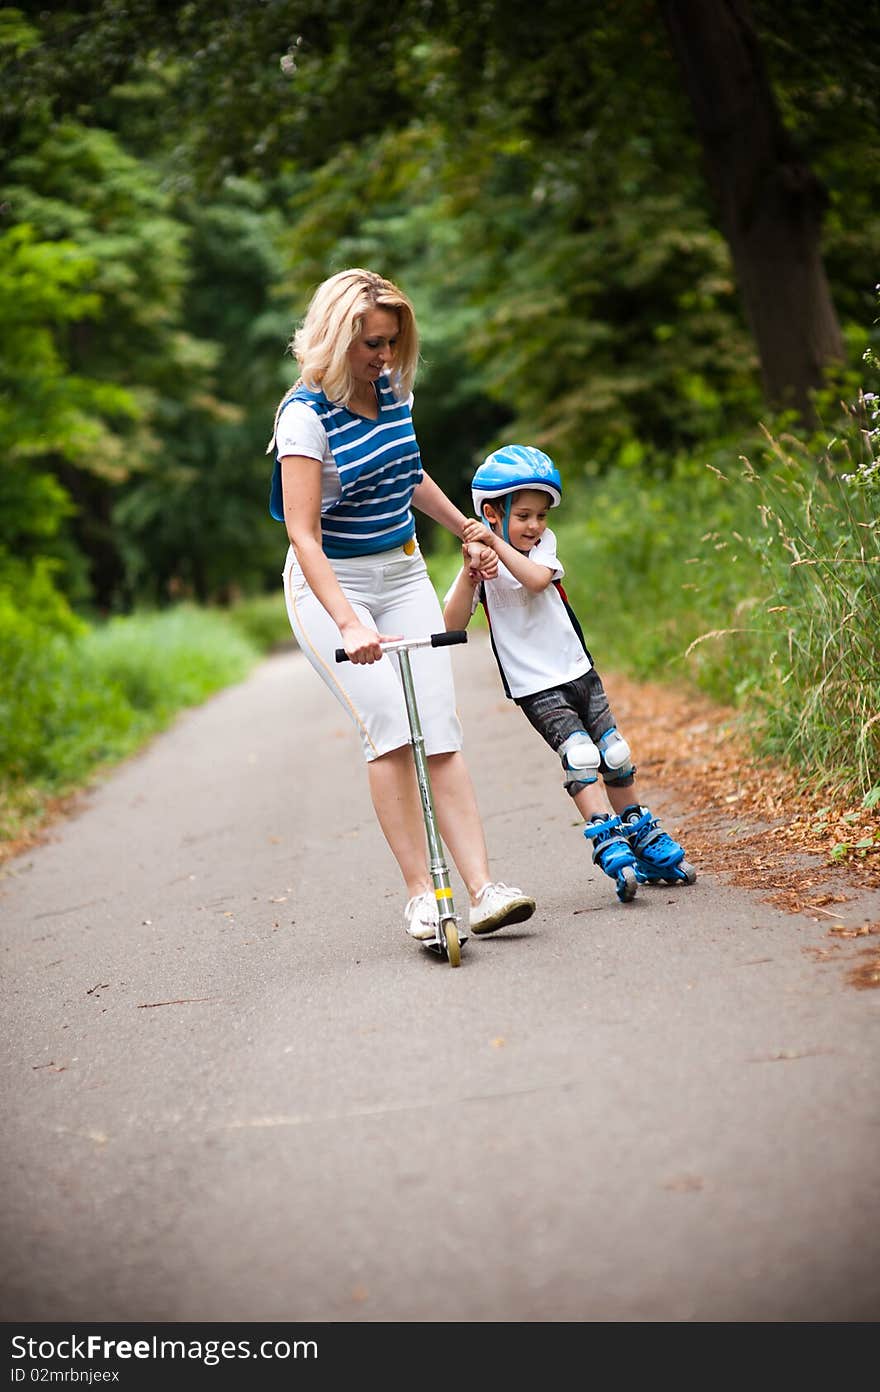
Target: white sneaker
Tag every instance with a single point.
(499, 904)
(420, 916)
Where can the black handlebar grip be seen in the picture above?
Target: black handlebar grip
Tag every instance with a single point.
(438, 640)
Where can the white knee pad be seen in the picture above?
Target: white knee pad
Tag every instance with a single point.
(580, 761)
(616, 757)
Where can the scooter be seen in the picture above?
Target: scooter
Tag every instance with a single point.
(447, 942)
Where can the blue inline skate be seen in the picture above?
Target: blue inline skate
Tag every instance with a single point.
(658, 858)
(613, 854)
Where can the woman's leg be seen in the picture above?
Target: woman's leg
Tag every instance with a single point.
(398, 806)
(409, 605)
(458, 819)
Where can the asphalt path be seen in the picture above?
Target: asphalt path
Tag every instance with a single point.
(234, 1090)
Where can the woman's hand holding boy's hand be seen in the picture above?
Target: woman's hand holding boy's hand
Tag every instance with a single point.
(477, 548)
(475, 531)
(482, 564)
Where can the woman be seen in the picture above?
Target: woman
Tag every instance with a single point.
(347, 473)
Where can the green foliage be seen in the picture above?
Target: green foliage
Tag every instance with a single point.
(80, 185)
(73, 699)
(631, 541)
(823, 699)
(263, 620)
(56, 721)
(537, 192)
(29, 592)
(176, 180)
(759, 583)
(163, 662)
(95, 280)
(196, 521)
(45, 410)
(120, 392)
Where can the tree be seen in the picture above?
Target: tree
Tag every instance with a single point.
(535, 187)
(47, 413)
(76, 186)
(770, 202)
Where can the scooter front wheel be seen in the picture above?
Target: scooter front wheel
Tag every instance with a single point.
(453, 945)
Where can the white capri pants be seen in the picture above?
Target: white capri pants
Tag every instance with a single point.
(392, 593)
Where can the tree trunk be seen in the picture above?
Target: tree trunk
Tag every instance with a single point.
(769, 201)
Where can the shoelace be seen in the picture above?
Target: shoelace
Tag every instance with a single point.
(499, 887)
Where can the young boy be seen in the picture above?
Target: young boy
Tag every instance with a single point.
(547, 670)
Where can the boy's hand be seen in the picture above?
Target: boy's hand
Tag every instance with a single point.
(475, 531)
(481, 562)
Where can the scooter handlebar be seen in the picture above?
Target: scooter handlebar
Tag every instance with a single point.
(434, 640)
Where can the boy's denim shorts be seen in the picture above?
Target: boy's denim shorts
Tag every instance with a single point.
(562, 710)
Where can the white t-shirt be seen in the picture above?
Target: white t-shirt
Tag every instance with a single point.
(300, 432)
(535, 641)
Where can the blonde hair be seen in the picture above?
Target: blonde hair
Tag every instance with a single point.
(335, 318)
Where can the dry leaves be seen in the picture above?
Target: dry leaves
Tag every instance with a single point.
(746, 819)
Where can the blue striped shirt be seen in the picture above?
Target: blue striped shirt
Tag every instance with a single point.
(379, 466)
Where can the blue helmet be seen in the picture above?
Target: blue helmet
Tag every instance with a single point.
(511, 468)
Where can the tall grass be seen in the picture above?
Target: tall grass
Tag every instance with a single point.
(757, 580)
(819, 549)
(262, 620)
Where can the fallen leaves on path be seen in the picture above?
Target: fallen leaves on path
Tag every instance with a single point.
(747, 820)
(865, 975)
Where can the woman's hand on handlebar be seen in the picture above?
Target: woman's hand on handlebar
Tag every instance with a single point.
(362, 644)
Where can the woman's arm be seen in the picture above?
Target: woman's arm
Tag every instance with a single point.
(430, 499)
(301, 485)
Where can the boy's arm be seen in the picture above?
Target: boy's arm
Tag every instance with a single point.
(459, 604)
(532, 575)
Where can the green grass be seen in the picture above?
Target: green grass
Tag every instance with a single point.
(73, 702)
(263, 620)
